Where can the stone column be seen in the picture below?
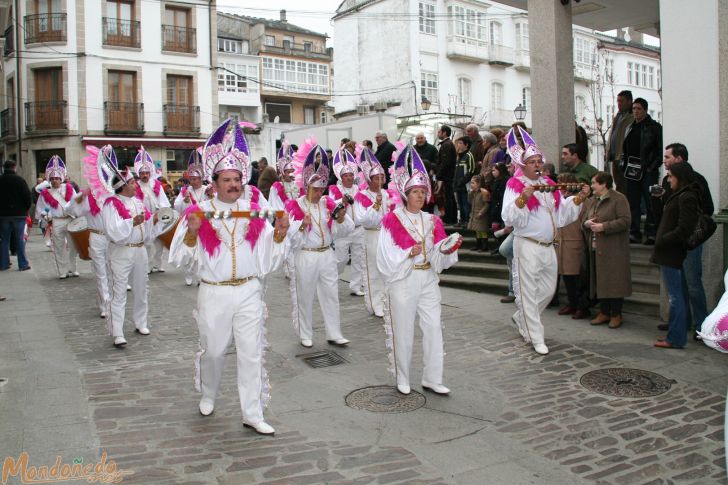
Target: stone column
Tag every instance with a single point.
(552, 75)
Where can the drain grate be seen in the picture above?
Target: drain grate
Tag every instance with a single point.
(327, 358)
(384, 399)
(623, 382)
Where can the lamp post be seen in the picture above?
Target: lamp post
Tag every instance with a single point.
(425, 103)
(520, 112)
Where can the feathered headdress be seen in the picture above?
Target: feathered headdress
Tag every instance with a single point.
(227, 149)
(284, 158)
(410, 172)
(194, 164)
(143, 162)
(369, 164)
(313, 162)
(55, 168)
(101, 170)
(344, 162)
(519, 154)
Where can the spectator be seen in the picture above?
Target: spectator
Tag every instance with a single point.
(501, 156)
(693, 265)
(368, 144)
(606, 222)
(268, 176)
(426, 151)
(445, 172)
(620, 122)
(582, 142)
(73, 184)
(679, 217)
(384, 152)
(498, 188)
(15, 202)
(549, 170)
(464, 170)
(479, 198)
(576, 165)
(572, 262)
(642, 146)
(477, 149)
(254, 174)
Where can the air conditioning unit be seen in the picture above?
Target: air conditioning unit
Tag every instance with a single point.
(380, 106)
(362, 109)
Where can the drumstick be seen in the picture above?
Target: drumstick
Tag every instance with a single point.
(238, 214)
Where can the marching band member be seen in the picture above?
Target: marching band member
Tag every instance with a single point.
(370, 207)
(233, 254)
(413, 249)
(343, 192)
(535, 217)
(316, 224)
(151, 193)
(51, 207)
(284, 190)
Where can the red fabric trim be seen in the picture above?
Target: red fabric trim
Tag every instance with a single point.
(208, 236)
(119, 206)
(294, 210)
(363, 199)
(255, 227)
(399, 233)
(157, 187)
(49, 199)
(254, 194)
(139, 194)
(517, 185)
(69, 192)
(330, 205)
(93, 206)
(438, 233)
(335, 192)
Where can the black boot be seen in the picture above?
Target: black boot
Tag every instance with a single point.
(484, 245)
(477, 244)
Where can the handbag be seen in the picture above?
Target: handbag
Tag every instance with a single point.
(633, 169)
(704, 229)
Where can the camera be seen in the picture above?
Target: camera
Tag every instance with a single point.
(656, 190)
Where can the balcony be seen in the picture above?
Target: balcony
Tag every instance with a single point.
(9, 46)
(179, 39)
(583, 72)
(7, 124)
(500, 117)
(500, 55)
(522, 59)
(47, 27)
(466, 49)
(123, 118)
(181, 119)
(45, 116)
(121, 33)
(301, 50)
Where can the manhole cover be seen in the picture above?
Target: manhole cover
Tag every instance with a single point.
(623, 382)
(326, 358)
(384, 399)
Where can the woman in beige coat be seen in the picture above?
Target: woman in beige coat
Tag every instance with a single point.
(606, 224)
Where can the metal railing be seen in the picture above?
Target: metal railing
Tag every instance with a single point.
(123, 117)
(46, 116)
(7, 123)
(9, 46)
(119, 32)
(45, 27)
(179, 39)
(181, 118)
(293, 47)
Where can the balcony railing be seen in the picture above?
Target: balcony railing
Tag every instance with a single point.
(9, 46)
(500, 55)
(123, 117)
(181, 119)
(46, 116)
(179, 39)
(466, 49)
(46, 27)
(287, 47)
(7, 123)
(119, 32)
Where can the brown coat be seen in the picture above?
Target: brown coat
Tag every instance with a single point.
(610, 258)
(571, 252)
(266, 179)
(478, 211)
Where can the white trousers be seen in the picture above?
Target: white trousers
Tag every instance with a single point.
(416, 295)
(154, 254)
(191, 274)
(354, 244)
(127, 261)
(64, 251)
(373, 282)
(317, 275)
(224, 313)
(98, 250)
(534, 282)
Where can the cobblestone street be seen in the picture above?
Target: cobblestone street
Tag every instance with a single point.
(514, 417)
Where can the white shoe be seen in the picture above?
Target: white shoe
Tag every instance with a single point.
(119, 342)
(63, 277)
(379, 314)
(188, 281)
(436, 388)
(541, 349)
(102, 314)
(142, 331)
(128, 287)
(261, 428)
(403, 389)
(154, 270)
(206, 407)
(75, 274)
(48, 244)
(307, 343)
(357, 293)
(341, 342)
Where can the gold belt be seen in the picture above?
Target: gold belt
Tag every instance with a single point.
(317, 250)
(96, 231)
(62, 217)
(235, 282)
(135, 245)
(426, 265)
(371, 228)
(536, 241)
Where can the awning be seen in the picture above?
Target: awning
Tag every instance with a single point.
(121, 141)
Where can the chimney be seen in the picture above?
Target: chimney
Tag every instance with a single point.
(283, 15)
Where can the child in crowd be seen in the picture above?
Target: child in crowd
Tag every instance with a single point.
(479, 199)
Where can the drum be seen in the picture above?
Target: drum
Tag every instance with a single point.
(78, 230)
(451, 244)
(169, 218)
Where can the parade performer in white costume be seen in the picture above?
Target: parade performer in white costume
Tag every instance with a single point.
(129, 227)
(233, 252)
(51, 207)
(343, 192)
(370, 207)
(284, 190)
(413, 249)
(535, 217)
(193, 194)
(316, 222)
(151, 193)
(714, 330)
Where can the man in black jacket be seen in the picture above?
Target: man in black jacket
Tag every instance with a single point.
(643, 146)
(445, 172)
(15, 201)
(384, 152)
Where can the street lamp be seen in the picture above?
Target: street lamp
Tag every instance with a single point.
(425, 103)
(520, 112)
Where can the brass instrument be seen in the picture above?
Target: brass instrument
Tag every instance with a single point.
(569, 187)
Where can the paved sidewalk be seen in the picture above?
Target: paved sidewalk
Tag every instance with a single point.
(514, 417)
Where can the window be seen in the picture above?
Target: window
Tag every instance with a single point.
(296, 76)
(522, 36)
(427, 18)
(288, 41)
(177, 17)
(179, 90)
(122, 87)
(177, 160)
(610, 114)
(232, 46)
(585, 51)
(651, 78)
(323, 117)
(609, 70)
(179, 112)
(464, 92)
(579, 107)
(177, 34)
(47, 112)
(307, 46)
(496, 33)
(270, 40)
(280, 111)
(428, 86)
(526, 97)
(119, 26)
(237, 78)
(496, 96)
(120, 10)
(309, 116)
(467, 24)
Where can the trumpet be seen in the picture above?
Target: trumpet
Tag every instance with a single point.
(228, 214)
